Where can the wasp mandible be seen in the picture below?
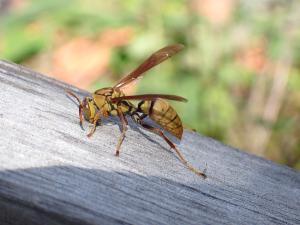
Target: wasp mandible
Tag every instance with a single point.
(112, 101)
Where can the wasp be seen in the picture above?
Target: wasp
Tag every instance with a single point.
(111, 101)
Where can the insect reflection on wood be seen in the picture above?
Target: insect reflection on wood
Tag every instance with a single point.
(112, 101)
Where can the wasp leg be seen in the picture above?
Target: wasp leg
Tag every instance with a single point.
(80, 107)
(96, 119)
(182, 159)
(80, 115)
(124, 124)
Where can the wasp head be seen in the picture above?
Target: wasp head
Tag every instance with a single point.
(88, 109)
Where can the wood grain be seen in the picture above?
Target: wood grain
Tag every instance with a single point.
(51, 173)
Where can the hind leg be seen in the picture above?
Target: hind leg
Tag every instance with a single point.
(171, 144)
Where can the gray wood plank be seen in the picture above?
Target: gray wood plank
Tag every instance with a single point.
(51, 173)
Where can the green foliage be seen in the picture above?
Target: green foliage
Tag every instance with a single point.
(19, 45)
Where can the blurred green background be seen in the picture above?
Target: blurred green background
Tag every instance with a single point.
(240, 69)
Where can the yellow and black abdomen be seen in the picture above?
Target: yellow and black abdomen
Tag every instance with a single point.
(162, 113)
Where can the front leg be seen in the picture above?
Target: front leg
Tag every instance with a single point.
(96, 119)
(124, 124)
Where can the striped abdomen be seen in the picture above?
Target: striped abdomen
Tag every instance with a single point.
(162, 113)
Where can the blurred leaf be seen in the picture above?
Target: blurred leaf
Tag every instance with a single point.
(232, 74)
(284, 124)
(25, 44)
(34, 10)
(294, 80)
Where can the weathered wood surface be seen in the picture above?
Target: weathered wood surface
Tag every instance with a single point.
(51, 173)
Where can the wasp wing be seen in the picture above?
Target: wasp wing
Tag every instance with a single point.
(149, 97)
(155, 59)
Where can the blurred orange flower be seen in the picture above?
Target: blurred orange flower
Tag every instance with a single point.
(253, 56)
(82, 59)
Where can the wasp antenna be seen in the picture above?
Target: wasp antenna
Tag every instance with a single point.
(80, 107)
(72, 94)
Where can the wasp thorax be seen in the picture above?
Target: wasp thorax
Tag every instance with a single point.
(104, 91)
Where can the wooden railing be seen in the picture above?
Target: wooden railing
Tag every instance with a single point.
(51, 173)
